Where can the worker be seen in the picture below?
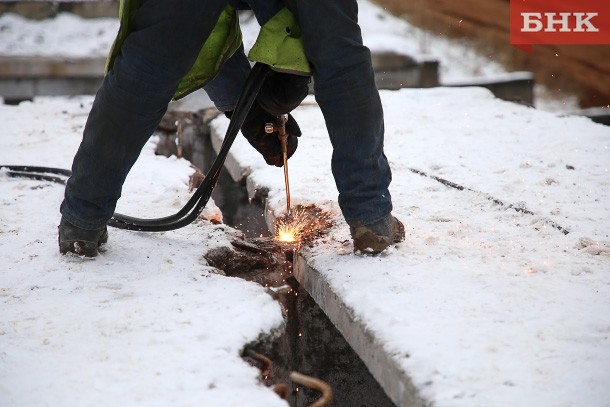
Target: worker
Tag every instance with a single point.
(150, 63)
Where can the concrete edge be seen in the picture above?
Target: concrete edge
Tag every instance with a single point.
(236, 170)
(394, 380)
(513, 86)
(25, 77)
(51, 67)
(498, 78)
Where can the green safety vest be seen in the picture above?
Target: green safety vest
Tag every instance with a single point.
(278, 45)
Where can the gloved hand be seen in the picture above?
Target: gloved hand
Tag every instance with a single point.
(280, 94)
(269, 144)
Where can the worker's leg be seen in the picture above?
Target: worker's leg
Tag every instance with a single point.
(345, 90)
(163, 45)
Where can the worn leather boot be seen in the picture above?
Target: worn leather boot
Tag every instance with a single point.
(376, 237)
(81, 242)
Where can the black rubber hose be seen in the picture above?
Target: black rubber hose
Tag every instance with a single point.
(38, 173)
(40, 170)
(203, 193)
(200, 198)
(35, 176)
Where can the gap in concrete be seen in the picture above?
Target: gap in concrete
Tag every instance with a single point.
(313, 346)
(309, 343)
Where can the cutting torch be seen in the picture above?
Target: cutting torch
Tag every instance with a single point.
(280, 127)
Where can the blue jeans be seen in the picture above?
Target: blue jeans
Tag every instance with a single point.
(166, 39)
(344, 85)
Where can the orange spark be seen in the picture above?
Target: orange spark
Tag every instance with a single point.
(304, 223)
(291, 229)
(286, 236)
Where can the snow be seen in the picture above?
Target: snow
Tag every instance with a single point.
(147, 321)
(382, 31)
(481, 305)
(70, 36)
(66, 35)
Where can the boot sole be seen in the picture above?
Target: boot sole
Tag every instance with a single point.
(370, 243)
(83, 248)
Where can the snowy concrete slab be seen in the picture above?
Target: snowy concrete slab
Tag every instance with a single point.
(488, 301)
(148, 321)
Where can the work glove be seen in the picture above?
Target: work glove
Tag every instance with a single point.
(280, 94)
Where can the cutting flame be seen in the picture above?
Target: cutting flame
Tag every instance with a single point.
(291, 228)
(286, 236)
(303, 224)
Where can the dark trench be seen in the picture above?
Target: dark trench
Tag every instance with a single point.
(309, 343)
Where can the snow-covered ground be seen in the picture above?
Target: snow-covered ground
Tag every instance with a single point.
(147, 322)
(482, 305)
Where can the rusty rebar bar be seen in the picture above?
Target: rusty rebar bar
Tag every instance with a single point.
(316, 384)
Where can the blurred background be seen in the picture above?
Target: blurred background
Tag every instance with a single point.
(59, 48)
(583, 70)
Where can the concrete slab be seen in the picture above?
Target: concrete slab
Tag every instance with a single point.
(513, 87)
(394, 379)
(238, 171)
(487, 302)
(24, 77)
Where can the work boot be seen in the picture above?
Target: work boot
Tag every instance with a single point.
(374, 238)
(79, 241)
